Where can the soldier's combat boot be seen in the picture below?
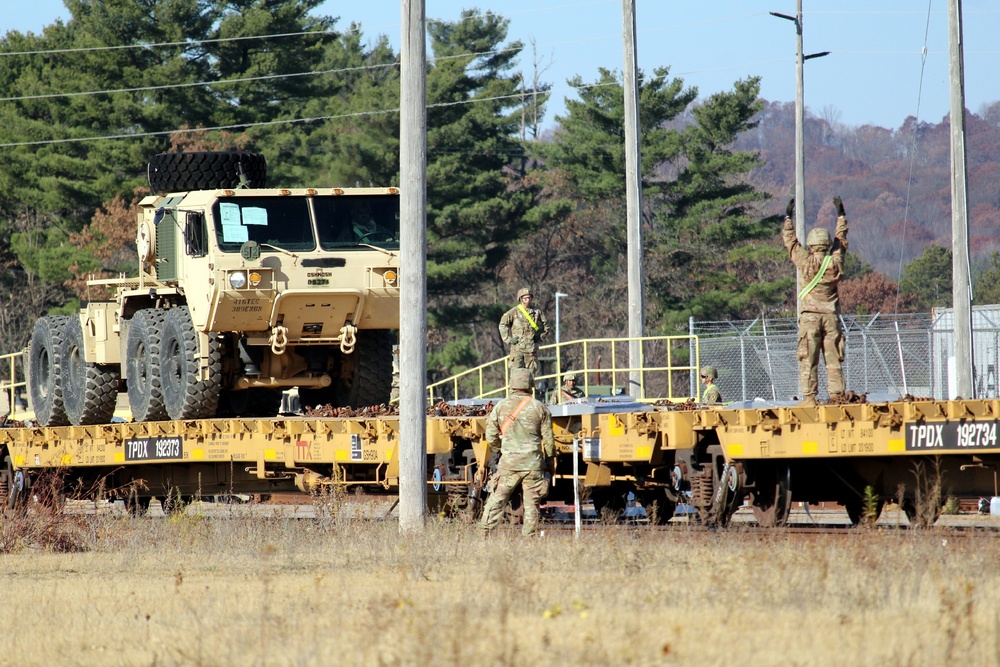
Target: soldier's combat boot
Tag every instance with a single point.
(808, 402)
(836, 397)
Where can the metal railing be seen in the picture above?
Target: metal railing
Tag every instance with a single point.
(600, 364)
(13, 385)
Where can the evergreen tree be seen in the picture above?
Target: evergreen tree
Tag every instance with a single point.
(703, 240)
(986, 288)
(479, 202)
(928, 278)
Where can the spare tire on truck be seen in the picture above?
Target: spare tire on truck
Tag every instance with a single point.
(45, 382)
(207, 170)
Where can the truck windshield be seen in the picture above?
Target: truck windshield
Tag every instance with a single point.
(346, 222)
(282, 222)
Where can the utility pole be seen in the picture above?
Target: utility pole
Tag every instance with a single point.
(961, 285)
(633, 199)
(413, 269)
(800, 121)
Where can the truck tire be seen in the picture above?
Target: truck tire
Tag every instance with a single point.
(207, 170)
(45, 381)
(145, 393)
(366, 376)
(90, 390)
(185, 395)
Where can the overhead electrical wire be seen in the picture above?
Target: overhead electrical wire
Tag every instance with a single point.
(913, 155)
(234, 126)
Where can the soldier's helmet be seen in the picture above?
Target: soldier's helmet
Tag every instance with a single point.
(521, 378)
(818, 237)
(524, 291)
(709, 372)
(569, 377)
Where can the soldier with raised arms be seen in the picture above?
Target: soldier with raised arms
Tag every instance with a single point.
(821, 268)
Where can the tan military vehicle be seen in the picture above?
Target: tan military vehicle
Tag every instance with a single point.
(241, 292)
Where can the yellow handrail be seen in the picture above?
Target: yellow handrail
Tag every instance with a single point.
(489, 380)
(10, 386)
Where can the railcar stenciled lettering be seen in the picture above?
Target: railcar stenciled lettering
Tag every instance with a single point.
(951, 435)
(151, 449)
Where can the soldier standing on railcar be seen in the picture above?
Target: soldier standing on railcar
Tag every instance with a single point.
(821, 268)
(520, 427)
(712, 395)
(523, 328)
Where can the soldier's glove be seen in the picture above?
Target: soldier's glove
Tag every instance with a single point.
(550, 465)
(840, 206)
(790, 209)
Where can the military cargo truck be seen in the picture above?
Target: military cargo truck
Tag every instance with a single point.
(241, 292)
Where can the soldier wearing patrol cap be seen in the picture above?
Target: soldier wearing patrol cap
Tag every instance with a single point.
(568, 391)
(522, 328)
(821, 267)
(521, 429)
(712, 394)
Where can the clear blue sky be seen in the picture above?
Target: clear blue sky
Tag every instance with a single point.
(873, 74)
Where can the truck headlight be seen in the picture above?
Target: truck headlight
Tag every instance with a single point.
(390, 277)
(238, 280)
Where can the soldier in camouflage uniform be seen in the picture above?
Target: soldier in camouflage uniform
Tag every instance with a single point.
(521, 428)
(568, 391)
(712, 394)
(523, 328)
(821, 267)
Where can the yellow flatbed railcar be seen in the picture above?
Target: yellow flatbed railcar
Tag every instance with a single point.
(913, 452)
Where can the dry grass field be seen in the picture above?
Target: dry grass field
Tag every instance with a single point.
(192, 590)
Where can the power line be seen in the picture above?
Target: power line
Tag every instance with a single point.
(235, 126)
(195, 84)
(264, 77)
(913, 155)
(153, 45)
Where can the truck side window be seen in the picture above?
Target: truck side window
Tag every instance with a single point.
(195, 234)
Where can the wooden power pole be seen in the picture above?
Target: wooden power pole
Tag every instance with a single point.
(413, 269)
(633, 200)
(960, 285)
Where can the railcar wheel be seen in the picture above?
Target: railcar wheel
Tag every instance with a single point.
(659, 507)
(89, 390)
(609, 502)
(19, 485)
(771, 500)
(145, 392)
(45, 381)
(185, 395)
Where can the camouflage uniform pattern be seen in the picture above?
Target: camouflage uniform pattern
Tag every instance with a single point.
(517, 332)
(819, 316)
(566, 393)
(529, 441)
(712, 394)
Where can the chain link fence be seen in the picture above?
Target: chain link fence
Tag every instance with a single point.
(886, 355)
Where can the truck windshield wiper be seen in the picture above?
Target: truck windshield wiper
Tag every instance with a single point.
(375, 247)
(281, 250)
